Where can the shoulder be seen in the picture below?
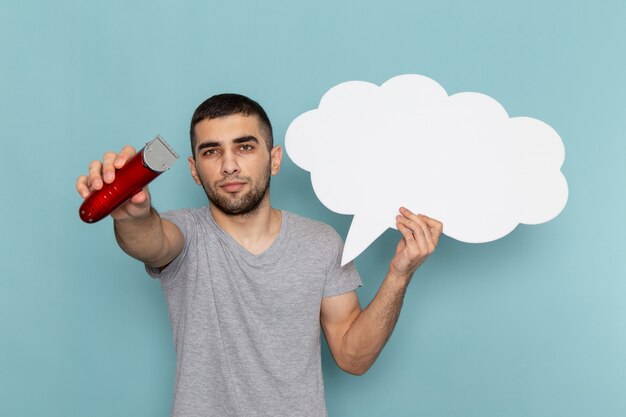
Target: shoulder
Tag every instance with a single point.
(184, 214)
(187, 219)
(314, 231)
(301, 222)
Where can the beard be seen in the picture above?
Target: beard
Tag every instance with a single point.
(236, 204)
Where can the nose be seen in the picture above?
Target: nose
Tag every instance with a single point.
(229, 164)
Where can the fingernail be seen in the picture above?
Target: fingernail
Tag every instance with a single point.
(108, 176)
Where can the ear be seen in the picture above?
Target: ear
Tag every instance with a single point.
(194, 171)
(276, 159)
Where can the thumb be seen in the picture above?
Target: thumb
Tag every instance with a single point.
(141, 198)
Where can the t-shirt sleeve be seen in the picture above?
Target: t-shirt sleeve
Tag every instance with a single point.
(184, 220)
(340, 279)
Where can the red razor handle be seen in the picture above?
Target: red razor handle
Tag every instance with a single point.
(151, 161)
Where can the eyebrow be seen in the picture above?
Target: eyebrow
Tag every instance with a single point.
(213, 144)
(245, 139)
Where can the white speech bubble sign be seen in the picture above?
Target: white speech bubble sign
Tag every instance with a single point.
(460, 159)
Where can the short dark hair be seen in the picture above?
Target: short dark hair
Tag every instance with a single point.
(228, 104)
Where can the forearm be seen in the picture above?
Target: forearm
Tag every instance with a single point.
(142, 238)
(357, 336)
(370, 331)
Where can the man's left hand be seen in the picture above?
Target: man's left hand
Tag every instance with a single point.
(420, 236)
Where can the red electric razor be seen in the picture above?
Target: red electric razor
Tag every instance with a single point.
(151, 161)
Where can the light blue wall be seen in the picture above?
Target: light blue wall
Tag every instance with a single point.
(530, 325)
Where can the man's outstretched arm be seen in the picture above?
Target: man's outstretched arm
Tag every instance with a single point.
(139, 229)
(356, 337)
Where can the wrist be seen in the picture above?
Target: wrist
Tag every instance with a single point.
(135, 218)
(399, 277)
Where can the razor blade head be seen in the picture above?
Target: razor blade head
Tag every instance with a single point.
(158, 155)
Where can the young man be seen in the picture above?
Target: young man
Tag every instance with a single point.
(248, 285)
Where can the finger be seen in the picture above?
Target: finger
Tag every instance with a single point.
(432, 223)
(125, 154)
(432, 228)
(428, 235)
(436, 227)
(418, 229)
(95, 175)
(138, 205)
(108, 170)
(141, 197)
(406, 212)
(407, 235)
(418, 218)
(82, 187)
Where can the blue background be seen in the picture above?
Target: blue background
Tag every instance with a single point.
(531, 325)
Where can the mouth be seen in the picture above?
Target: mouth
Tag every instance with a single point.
(232, 186)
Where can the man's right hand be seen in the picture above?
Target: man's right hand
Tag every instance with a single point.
(103, 172)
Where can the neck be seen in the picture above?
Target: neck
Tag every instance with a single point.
(256, 230)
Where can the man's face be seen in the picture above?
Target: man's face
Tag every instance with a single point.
(233, 164)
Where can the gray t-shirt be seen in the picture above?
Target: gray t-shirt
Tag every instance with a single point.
(247, 327)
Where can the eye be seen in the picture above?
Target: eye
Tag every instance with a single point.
(211, 152)
(246, 147)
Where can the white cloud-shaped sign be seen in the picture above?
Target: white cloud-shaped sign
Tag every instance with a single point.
(460, 159)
